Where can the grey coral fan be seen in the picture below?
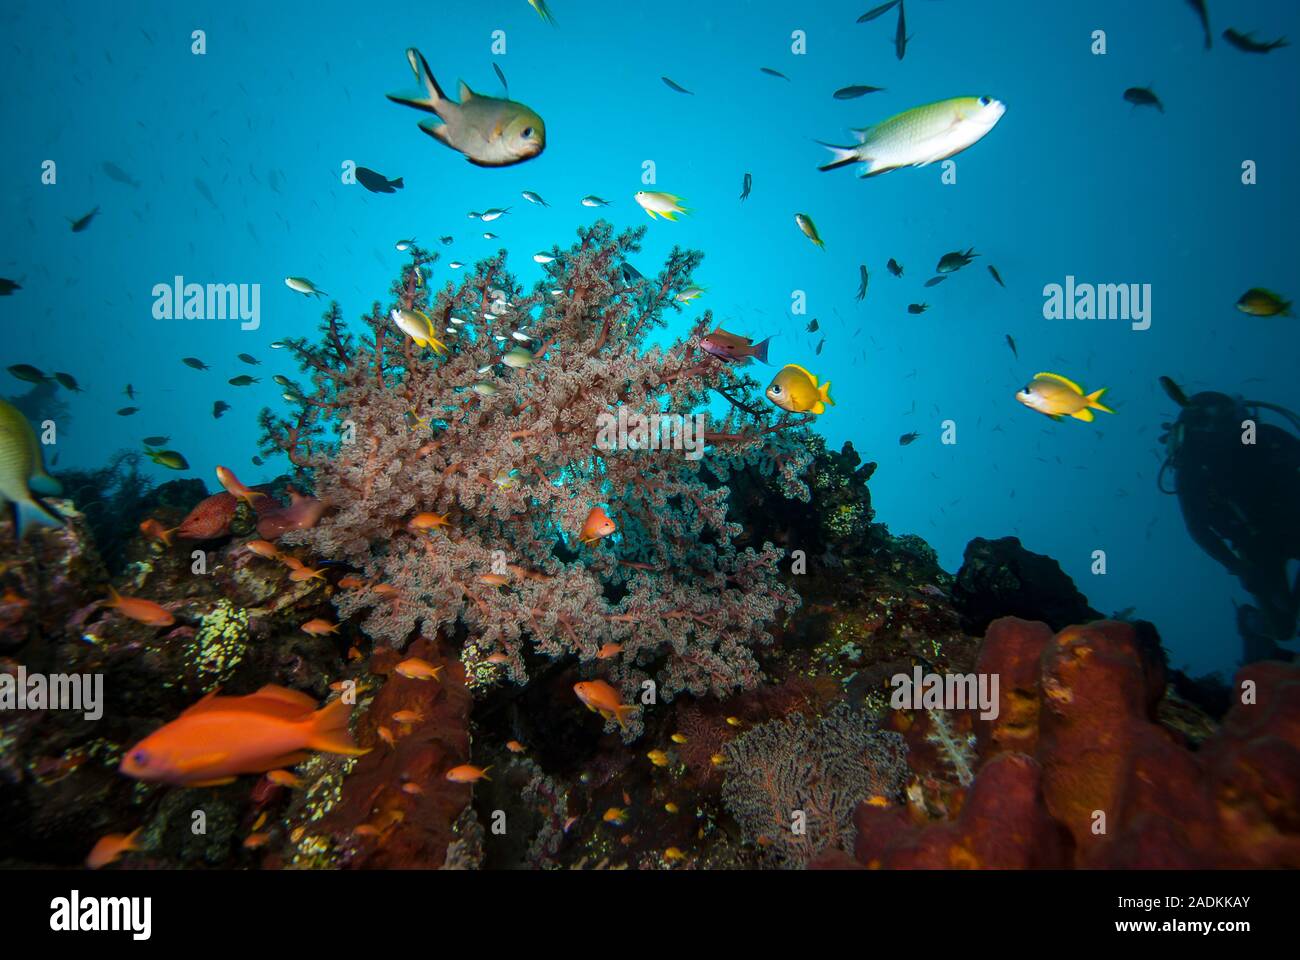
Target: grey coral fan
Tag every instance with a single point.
(793, 785)
(508, 452)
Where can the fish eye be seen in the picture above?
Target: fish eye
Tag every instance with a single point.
(776, 388)
(985, 101)
(528, 132)
(140, 758)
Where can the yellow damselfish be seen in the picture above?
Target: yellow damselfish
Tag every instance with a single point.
(796, 390)
(1056, 396)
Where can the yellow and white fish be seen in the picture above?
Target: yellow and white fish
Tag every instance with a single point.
(1057, 397)
(22, 472)
(794, 389)
(543, 11)
(665, 205)
(489, 131)
(920, 136)
(809, 229)
(418, 327)
(304, 286)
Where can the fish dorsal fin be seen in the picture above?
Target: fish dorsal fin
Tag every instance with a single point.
(810, 376)
(207, 703)
(466, 93)
(1060, 379)
(284, 695)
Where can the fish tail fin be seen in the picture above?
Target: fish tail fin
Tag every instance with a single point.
(114, 598)
(485, 770)
(841, 156)
(420, 67)
(396, 183)
(621, 713)
(1094, 401)
(42, 483)
(824, 391)
(33, 512)
(760, 349)
(328, 730)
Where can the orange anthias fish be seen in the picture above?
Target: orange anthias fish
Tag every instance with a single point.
(110, 847)
(597, 526)
(263, 548)
(220, 738)
(609, 651)
(319, 627)
(414, 668)
(142, 611)
(426, 521)
(468, 773)
(154, 530)
(235, 488)
(600, 697)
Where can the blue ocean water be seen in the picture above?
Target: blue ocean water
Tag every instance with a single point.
(1074, 181)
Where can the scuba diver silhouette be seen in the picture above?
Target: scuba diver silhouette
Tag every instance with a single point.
(1241, 504)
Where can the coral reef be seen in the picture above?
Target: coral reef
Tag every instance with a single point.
(1077, 770)
(793, 785)
(746, 603)
(1000, 578)
(507, 448)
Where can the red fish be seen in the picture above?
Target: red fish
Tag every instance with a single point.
(210, 519)
(220, 738)
(729, 346)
